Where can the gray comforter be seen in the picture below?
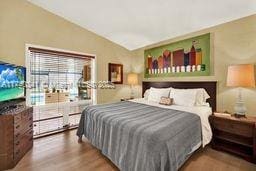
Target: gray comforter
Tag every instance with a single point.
(139, 137)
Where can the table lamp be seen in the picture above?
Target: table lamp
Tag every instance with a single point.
(132, 80)
(241, 76)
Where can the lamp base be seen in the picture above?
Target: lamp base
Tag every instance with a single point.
(240, 108)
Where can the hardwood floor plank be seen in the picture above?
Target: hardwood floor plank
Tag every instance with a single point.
(63, 152)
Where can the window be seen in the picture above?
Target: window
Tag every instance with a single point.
(54, 90)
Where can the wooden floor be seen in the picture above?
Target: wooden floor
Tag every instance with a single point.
(62, 152)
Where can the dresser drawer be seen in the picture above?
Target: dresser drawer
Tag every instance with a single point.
(28, 135)
(29, 140)
(21, 127)
(26, 115)
(233, 127)
(17, 128)
(17, 118)
(17, 135)
(18, 145)
(25, 138)
(27, 125)
(17, 154)
(23, 144)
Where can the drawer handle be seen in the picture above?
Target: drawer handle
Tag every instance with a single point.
(18, 143)
(17, 118)
(31, 125)
(17, 126)
(17, 135)
(30, 118)
(30, 132)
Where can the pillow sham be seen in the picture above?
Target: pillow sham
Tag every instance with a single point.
(183, 97)
(155, 94)
(146, 94)
(201, 97)
(197, 96)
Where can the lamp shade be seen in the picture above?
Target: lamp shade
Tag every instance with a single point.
(132, 79)
(241, 76)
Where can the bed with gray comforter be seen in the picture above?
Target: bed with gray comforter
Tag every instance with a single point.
(139, 137)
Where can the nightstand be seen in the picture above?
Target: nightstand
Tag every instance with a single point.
(234, 135)
(125, 99)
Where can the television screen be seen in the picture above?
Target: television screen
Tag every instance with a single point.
(11, 82)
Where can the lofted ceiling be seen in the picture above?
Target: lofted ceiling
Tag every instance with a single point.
(138, 23)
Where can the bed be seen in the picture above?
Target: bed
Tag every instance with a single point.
(140, 135)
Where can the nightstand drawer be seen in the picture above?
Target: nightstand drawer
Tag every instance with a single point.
(233, 127)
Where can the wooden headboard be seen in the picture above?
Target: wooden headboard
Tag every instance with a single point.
(209, 86)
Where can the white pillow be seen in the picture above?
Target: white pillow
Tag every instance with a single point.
(146, 94)
(155, 94)
(197, 96)
(183, 97)
(201, 97)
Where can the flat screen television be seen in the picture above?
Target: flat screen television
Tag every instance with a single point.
(12, 79)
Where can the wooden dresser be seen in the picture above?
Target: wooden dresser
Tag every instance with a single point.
(235, 135)
(16, 135)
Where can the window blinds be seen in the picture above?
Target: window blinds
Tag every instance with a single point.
(53, 77)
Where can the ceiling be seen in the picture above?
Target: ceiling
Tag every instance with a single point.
(138, 23)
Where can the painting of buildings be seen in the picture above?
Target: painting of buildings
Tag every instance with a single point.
(190, 57)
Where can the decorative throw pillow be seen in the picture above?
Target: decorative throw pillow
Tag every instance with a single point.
(166, 101)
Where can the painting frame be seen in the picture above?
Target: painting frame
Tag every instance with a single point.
(183, 58)
(115, 73)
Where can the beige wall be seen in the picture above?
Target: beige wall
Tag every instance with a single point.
(21, 23)
(231, 43)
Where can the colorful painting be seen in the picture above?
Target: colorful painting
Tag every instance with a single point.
(190, 57)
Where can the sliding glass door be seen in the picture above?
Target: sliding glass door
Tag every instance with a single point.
(55, 88)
